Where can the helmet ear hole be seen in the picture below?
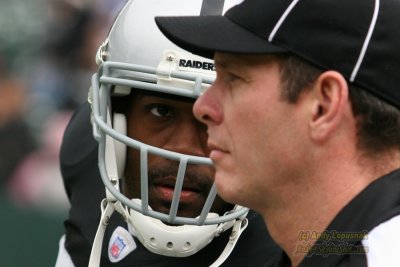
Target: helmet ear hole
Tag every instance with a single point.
(120, 125)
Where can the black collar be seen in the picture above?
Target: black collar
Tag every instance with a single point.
(377, 203)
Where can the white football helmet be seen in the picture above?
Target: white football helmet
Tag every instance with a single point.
(136, 55)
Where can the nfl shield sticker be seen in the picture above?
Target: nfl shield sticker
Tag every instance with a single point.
(117, 246)
(120, 245)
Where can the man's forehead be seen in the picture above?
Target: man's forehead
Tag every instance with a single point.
(229, 60)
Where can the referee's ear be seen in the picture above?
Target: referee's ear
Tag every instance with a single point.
(329, 105)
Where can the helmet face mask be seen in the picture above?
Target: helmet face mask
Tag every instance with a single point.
(162, 185)
(167, 122)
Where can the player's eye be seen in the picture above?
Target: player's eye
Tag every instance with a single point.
(160, 110)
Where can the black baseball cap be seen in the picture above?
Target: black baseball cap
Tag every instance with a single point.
(358, 38)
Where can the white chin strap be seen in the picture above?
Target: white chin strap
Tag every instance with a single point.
(179, 240)
(237, 229)
(108, 208)
(169, 240)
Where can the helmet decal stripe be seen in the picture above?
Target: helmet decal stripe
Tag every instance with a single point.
(212, 7)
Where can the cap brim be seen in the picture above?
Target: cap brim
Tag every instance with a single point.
(204, 35)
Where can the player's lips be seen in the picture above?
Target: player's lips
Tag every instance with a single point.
(164, 190)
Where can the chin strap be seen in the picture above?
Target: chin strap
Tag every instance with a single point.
(107, 209)
(237, 229)
(109, 204)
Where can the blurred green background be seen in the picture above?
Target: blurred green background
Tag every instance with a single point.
(29, 235)
(47, 50)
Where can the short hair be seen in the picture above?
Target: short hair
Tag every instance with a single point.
(378, 122)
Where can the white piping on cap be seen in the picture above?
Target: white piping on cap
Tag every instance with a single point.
(282, 19)
(366, 41)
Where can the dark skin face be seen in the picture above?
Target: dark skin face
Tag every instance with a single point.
(169, 123)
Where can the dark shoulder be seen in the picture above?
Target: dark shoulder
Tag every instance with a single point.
(80, 173)
(78, 149)
(78, 142)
